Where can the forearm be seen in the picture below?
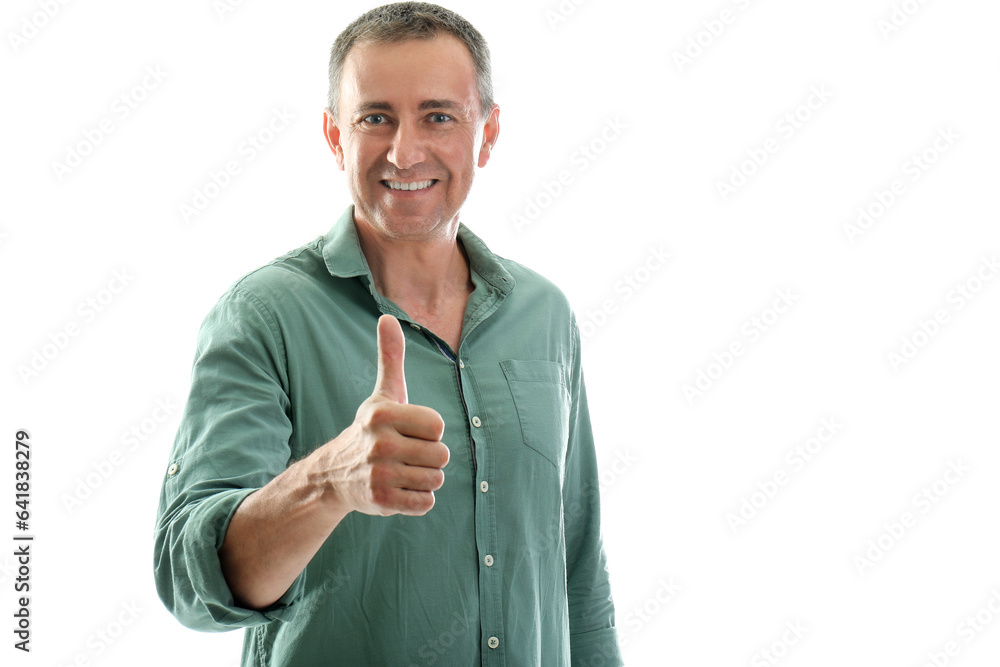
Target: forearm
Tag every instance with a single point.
(275, 532)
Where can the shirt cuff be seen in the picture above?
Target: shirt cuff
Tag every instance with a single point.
(189, 571)
(586, 646)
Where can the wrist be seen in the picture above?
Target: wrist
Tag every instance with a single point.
(320, 491)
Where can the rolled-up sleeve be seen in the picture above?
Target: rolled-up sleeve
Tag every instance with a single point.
(591, 608)
(233, 439)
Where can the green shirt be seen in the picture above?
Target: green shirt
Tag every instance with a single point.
(508, 567)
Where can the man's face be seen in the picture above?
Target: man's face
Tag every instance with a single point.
(409, 116)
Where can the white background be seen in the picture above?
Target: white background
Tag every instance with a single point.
(691, 586)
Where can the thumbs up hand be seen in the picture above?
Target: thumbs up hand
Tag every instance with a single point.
(390, 460)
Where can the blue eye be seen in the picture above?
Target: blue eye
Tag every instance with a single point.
(369, 119)
(441, 117)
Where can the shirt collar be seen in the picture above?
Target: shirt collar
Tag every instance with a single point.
(344, 258)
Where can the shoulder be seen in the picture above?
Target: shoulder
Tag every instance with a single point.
(270, 285)
(530, 284)
(544, 313)
(259, 300)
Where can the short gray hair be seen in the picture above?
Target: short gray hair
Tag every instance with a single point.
(402, 21)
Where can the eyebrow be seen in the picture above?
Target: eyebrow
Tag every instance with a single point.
(425, 105)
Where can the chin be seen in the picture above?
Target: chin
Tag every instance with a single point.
(409, 225)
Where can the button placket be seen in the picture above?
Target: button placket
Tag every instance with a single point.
(490, 580)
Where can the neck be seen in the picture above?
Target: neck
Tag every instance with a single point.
(423, 274)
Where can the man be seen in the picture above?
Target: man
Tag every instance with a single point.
(451, 515)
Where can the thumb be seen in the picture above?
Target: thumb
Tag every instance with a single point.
(391, 382)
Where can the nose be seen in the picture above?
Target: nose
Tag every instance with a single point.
(407, 147)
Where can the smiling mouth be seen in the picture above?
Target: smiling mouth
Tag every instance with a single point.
(415, 185)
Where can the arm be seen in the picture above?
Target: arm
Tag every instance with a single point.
(591, 609)
(236, 528)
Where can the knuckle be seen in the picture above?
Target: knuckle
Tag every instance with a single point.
(444, 455)
(380, 477)
(420, 503)
(383, 448)
(438, 424)
(380, 413)
(381, 495)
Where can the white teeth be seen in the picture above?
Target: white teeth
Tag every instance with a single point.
(417, 185)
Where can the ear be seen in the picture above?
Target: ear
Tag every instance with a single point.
(491, 130)
(332, 133)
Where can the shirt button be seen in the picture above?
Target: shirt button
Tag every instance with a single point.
(477, 422)
(415, 326)
(493, 642)
(488, 560)
(461, 364)
(172, 470)
(484, 486)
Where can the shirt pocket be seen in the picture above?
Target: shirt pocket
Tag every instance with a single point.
(541, 399)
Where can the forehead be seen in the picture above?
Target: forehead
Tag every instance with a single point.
(406, 73)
